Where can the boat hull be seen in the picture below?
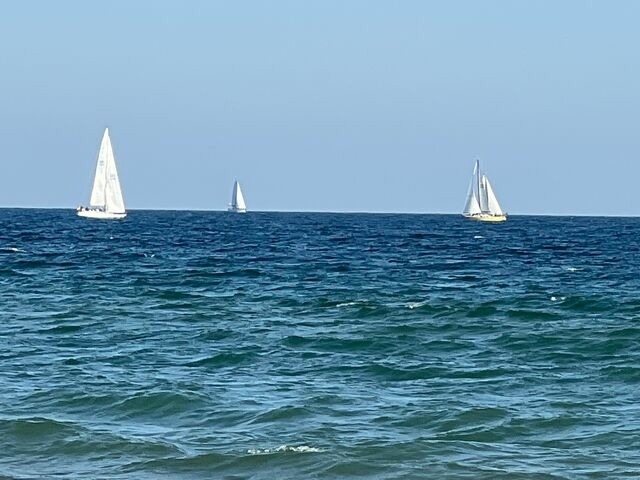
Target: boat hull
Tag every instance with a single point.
(487, 218)
(237, 210)
(101, 215)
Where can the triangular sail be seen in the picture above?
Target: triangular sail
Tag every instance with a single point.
(482, 194)
(237, 199)
(106, 192)
(471, 206)
(492, 202)
(114, 200)
(98, 193)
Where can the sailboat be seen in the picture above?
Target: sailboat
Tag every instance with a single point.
(237, 204)
(106, 197)
(482, 204)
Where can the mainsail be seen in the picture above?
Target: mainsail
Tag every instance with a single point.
(492, 202)
(106, 193)
(484, 202)
(237, 199)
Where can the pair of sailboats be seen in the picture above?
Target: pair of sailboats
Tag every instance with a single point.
(106, 196)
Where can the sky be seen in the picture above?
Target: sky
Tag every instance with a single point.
(323, 105)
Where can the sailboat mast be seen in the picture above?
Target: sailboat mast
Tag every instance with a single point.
(478, 181)
(107, 170)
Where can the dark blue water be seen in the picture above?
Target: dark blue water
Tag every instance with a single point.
(298, 346)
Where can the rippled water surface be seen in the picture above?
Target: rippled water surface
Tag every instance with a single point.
(288, 346)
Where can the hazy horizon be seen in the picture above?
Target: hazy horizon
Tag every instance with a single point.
(323, 106)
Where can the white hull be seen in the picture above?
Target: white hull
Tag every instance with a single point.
(486, 217)
(237, 210)
(100, 214)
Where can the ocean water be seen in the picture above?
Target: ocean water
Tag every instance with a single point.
(204, 345)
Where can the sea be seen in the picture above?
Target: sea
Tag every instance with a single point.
(210, 345)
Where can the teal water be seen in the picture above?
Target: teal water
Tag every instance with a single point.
(318, 346)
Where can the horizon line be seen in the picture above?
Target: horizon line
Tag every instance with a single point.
(346, 212)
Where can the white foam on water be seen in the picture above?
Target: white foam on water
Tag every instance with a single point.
(478, 236)
(556, 299)
(284, 449)
(570, 269)
(346, 304)
(416, 304)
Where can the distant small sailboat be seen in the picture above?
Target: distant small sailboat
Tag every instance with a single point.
(482, 204)
(106, 197)
(237, 204)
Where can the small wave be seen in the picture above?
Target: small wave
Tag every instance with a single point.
(171, 462)
(416, 304)
(177, 295)
(286, 413)
(557, 299)
(478, 237)
(373, 311)
(222, 359)
(284, 449)
(11, 249)
(482, 311)
(161, 404)
(32, 263)
(346, 304)
(590, 304)
(570, 269)
(63, 329)
(397, 374)
(531, 314)
(41, 428)
(296, 341)
(243, 272)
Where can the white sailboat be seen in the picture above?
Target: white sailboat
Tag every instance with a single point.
(106, 197)
(237, 204)
(482, 204)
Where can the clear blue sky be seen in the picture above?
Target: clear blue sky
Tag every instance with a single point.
(332, 105)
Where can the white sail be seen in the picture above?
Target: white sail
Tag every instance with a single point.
(113, 202)
(237, 199)
(471, 206)
(492, 201)
(98, 193)
(106, 195)
(482, 194)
